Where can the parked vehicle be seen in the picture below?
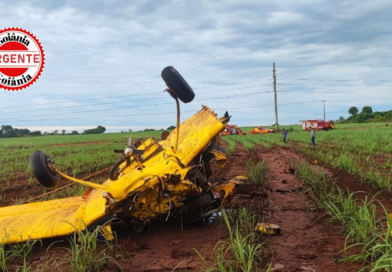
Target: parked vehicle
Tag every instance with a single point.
(232, 130)
(317, 125)
(262, 130)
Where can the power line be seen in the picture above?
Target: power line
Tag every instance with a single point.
(343, 100)
(327, 92)
(328, 64)
(129, 95)
(139, 106)
(336, 85)
(161, 113)
(119, 102)
(140, 114)
(79, 100)
(211, 86)
(203, 87)
(263, 79)
(350, 100)
(309, 79)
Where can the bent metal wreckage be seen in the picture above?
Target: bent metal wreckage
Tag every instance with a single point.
(151, 179)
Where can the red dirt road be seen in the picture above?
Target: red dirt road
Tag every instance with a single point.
(305, 244)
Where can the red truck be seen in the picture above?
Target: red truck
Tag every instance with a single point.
(317, 125)
(232, 130)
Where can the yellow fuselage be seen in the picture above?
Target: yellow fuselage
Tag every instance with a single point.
(155, 183)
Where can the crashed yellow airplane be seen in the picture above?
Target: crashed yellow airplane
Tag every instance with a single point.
(151, 179)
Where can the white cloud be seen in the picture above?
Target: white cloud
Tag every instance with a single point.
(284, 18)
(105, 49)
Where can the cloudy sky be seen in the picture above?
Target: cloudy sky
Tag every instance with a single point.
(104, 60)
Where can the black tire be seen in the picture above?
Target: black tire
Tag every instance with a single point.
(39, 163)
(113, 174)
(177, 85)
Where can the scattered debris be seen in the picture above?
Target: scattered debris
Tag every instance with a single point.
(267, 228)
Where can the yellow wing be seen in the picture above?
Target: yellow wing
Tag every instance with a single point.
(50, 218)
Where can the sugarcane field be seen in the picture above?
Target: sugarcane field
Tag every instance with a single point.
(195, 136)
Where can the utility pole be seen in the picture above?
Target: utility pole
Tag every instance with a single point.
(276, 100)
(324, 109)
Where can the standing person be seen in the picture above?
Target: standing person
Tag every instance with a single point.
(284, 135)
(313, 134)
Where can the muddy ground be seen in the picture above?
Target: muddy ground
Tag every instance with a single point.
(307, 242)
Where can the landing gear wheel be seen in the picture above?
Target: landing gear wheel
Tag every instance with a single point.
(43, 171)
(178, 87)
(114, 172)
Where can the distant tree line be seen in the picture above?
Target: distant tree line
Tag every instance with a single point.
(366, 115)
(151, 129)
(7, 131)
(98, 130)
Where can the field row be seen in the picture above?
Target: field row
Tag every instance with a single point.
(361, 152)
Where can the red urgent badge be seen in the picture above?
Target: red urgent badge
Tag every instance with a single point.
(22, 59)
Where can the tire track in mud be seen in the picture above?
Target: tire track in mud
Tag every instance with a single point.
(305, 244)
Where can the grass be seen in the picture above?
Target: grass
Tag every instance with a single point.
(354, 152)
(358, 218)
(369, 171)
(257, 171)
(85, 252)
(314, 181)
(381, 252)
(377, 252)
(75, 155)
(15, 257)
(86, 255)
(242, 251)
(364, 153)
(231, 145)
(350, 150)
